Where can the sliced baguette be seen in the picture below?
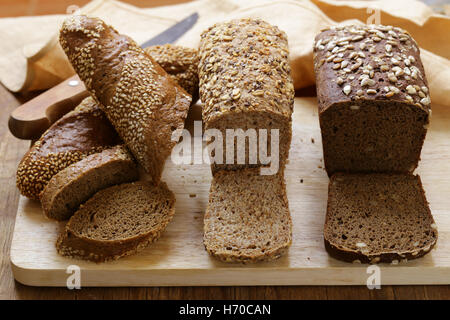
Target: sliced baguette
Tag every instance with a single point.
(378, 218)
(77, 183)
(247, 218)
(117, 221)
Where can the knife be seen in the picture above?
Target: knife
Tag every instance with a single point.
(31, 119)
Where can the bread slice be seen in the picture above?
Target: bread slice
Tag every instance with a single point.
(378, 218)
(79, 133)
(77, 183)
(247, 218)
(117, 221)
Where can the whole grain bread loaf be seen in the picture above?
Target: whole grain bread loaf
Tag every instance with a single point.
(247, 218)
(139, 98)
(378, 218)
(245, 82)
(75, 184)
(117, 221)
(180, 63)
(76, 135)
(374, 104)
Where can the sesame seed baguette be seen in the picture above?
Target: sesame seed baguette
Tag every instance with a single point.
(180, 63)
(75, 184)
(247, 218)
(78, 134)
(373, 97)
(139, 98)
(117, 221)
(378, 217)
(245, 82)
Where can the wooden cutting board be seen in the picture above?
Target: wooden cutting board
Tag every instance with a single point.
(179, 258)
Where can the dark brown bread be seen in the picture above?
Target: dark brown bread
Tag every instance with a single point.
(374, 105)
(247, 218)
(180, 63)
(378, 218)
(76, 135)
(139, 98)
(75, 184)
(117, 221)
(245, 82)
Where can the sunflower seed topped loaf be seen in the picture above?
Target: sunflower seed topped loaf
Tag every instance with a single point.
(378, 217)
(245, 82)
(118, 221)
(79, 133)
(180, 63)
(139, 98)
(374, 103)
(75, 184)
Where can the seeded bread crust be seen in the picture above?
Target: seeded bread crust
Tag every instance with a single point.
(375, 218)
(78, 182)
(247, 218)
(245, 81)
(373, 97)
(180, 63)
(139, 98)
(117, 222)
(76, 135)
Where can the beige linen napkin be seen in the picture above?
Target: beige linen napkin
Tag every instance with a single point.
(34, 60)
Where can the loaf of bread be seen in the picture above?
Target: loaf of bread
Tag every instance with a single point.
(76, 135)
(245, 82)
(139, 98)
(378, 218)
(247, 218)
(180, 63)
(75, 184)
(374, 104)
(117, 221)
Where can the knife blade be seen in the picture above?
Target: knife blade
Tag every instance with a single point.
(32, 118)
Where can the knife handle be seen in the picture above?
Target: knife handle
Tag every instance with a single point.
(32, 118)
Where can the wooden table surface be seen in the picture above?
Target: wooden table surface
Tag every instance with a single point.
(12, 150)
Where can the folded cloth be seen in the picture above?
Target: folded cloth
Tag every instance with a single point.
(31, 59)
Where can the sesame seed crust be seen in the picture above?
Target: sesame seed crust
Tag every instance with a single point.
(369, 62)
(244, 66)
(180, 63)
(139, 98)
(81, 132)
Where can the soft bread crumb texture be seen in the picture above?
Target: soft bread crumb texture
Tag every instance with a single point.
(118, 221)
(75, 184)
(378, 218)
(247, 218)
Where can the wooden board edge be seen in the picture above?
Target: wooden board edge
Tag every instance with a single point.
(231, 277)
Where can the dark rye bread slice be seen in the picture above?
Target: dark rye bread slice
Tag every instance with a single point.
(117, 221)
(373, 97)
(79, 133)
(78, 182)
(378, 218)
(247, 218)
